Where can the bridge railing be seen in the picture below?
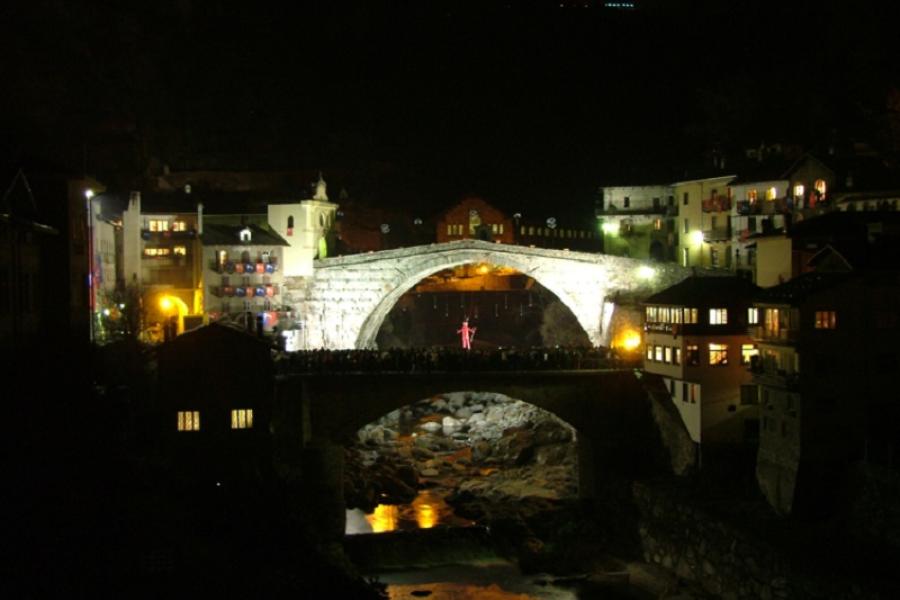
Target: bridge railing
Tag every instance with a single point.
(427, 360)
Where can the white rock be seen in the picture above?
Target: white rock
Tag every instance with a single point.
(431, 426)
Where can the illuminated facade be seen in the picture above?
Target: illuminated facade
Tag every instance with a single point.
(473, 218)
(243, 273)
(696, 340)
(638, 221)
(703, 222)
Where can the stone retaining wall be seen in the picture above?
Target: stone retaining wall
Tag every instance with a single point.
(723, 560)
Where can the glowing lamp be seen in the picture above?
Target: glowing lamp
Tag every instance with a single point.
(89, 193)
(610, 228)
(697, 237)
(165, 303)
(645, 272)
(631, 340)
(483, 269)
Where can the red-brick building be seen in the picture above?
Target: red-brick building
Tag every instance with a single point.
(473, 218)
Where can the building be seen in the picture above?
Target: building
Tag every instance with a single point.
(24, 313)
(703, 223)
(696, 340)
(308, 227)
(638, 221)
(826, 378)
(243, 272)
(473, 218)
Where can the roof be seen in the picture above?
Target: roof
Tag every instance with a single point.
(702, 291)
(799, 288)
(220, 235)
(771, 169)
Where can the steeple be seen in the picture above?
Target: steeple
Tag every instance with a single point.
(320, 189)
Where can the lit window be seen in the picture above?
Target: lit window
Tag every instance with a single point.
(772, 322)
(826, 319)
(649, 351)
(157, 251)
(188, 420)
(657, 224)
(159, 225)
(668, 354)
(242, 418)
(747, 352)
(500, 228)
(179, 251)
(690, 315)
(179, 226)
(798, 190)
(753, 315)
(659, 354)
(694, 387)
(752, 195)
(693, 355)
(771, 193)
(677, 357)
(820, 188)
(449, 229)
(718, 355)
(718, 316)
(652, 312)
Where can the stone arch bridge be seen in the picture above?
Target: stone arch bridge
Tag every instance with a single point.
(344, 303)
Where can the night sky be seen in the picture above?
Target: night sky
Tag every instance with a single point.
(524, 105)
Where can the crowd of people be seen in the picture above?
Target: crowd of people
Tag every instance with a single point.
(441, 359)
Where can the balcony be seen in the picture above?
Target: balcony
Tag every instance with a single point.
(782, 335)
(635, 210)
(748, 207)
(717, 234)
(148, 235)
(245, 267)
(716, 204)
(267, 290)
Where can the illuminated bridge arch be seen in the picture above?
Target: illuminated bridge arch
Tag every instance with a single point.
(345, 302)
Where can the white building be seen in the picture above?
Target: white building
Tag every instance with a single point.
(305, 226)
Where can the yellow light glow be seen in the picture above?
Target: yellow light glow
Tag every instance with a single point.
(610, 228)
(697, 237)
(165, 303)
(645, 272)
(426, 514)
(628, 340)
(384, 518)
(483, 269)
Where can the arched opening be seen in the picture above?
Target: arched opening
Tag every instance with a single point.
(458, 459)
(503, 306)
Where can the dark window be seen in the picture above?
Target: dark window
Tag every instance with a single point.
(656, 203)
(626, 202)
(685, 198)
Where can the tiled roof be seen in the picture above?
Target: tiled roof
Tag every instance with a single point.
(703, 291)
(220, 235)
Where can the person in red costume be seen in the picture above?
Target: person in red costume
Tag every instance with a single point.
(467, 334)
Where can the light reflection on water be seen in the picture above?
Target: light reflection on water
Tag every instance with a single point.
(427, 510)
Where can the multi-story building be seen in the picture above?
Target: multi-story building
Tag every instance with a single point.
(473, 218)
(696, 340)
(243, 272)
(639, 221)
(826, 378)
(703, 223)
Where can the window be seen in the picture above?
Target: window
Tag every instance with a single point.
(657, 224)
(179, 226)
(686, 226)
(748, 351)
(157, 251)
(694, 387)
(753, 315)
(684, 257)
(826, 319)
(159, 225)
(752, 195)
(242, 418)
(652, 312)
(718, 355)
(684, 392)
(449, 229)
(668, 354)
(713, 257)
(658, 354)
(188, 420)
(626, 202)
(820, 188)
(179, 251)
(693, 355)
(649, 351)
(771, 193)
(685, 199)
(772, 323)
(690, 315)
(718, 316)
(677, 357)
